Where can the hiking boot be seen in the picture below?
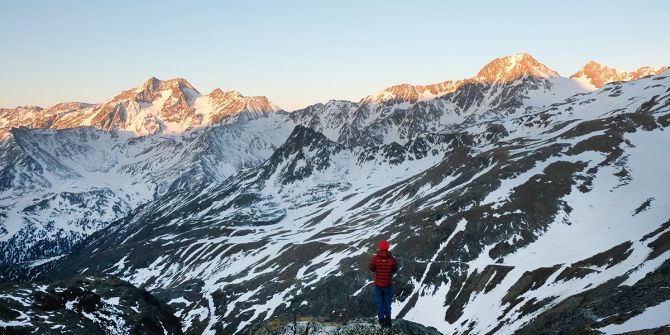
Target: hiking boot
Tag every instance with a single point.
(387, 323)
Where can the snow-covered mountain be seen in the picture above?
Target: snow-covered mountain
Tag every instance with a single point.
(597, 75)
(158, 106)
(504, 86)
(516, 201)
(71, 169)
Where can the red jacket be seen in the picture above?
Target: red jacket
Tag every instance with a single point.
(384, 266)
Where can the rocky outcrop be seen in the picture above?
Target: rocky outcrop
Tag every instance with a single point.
(291, 324)
(83, 305)
(606, 304)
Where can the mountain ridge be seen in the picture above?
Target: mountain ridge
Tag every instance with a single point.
(502, 69)
(156, 106)
(598, 74)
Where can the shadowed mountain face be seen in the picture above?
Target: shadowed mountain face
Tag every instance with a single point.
(94, 305)
(512, 200)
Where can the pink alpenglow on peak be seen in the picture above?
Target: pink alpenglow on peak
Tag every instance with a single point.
(510, 68)
(155, 107)
(598, 74)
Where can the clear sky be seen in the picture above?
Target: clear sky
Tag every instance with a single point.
(301, 52)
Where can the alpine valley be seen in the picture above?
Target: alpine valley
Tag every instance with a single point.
(516, 201)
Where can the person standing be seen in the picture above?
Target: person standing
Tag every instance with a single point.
(384, 265)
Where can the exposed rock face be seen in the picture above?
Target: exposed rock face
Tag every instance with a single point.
(228, 105)
(83, 306)
(407, 93)
(598, 75)
(329, 118)
(510, 68)
(304, 152)
(289, 325)
(124, 111)
(504, 86)
(600, 306)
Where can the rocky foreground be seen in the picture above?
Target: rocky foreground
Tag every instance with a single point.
(107, 305)
(291, 324)
(91, 305)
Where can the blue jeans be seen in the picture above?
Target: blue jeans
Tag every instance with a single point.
(383, 298)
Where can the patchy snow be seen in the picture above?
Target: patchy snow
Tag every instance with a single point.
(652, 317)
(348, 202)
(114, 301)
(22, 320)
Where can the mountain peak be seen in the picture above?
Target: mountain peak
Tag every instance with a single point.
(304, 151)
(647, 70)
(394, 94)
(592, 63)
(153, 85)
(598, 74)
(227, 104)
(499, 71)
(179, 82)
(218, 93)
(510, 68)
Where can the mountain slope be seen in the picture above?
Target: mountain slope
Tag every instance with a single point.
(512, 199)
(484, 226)
(59, 186)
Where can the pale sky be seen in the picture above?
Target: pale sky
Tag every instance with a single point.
(302, 52)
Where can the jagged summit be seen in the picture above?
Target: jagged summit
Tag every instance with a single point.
(219, 92)
(155, 83)
(214, 107)
(225, 104)
(510, 68)
(499, 71)
(412, 93)
(598, 74)
(395, 94)
(155, 106)
(154, 88)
